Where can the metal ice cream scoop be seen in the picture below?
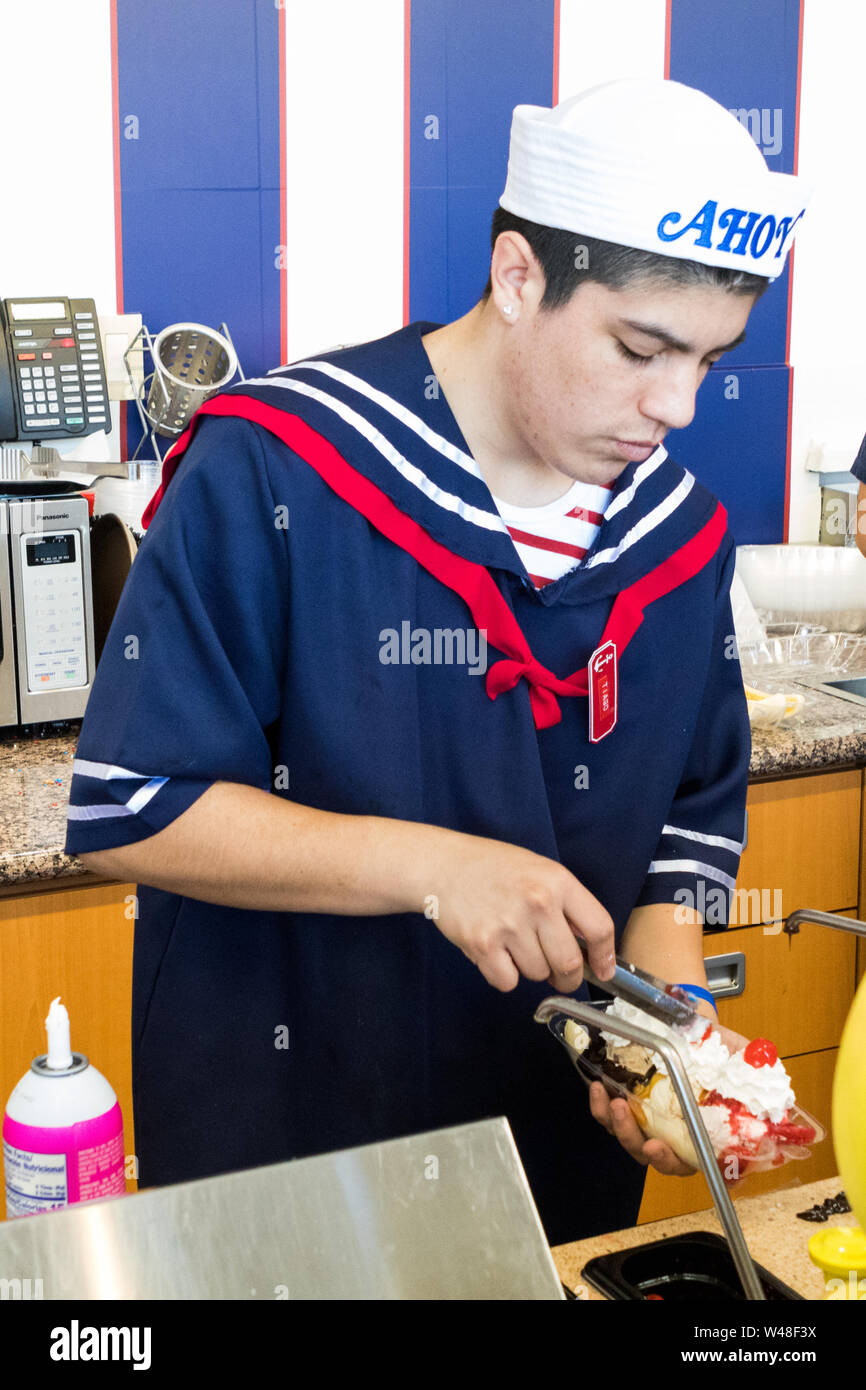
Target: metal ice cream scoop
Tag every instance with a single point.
(669, 1003)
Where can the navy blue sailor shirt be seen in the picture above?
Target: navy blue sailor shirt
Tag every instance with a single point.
(262, 639)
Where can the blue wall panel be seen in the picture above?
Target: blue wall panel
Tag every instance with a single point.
(744, 55)
(736, 446)
(199, 184)
(471, 64)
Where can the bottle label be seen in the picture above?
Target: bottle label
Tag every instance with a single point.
(34, 1181)
(38, 1178)
(100, 1169)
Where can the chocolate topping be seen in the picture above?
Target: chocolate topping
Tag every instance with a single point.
(822, 1211)
(597, 1054)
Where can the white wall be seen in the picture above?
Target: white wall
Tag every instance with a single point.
(599, 42)
(344, 136)
(57, 227)
(828, 333)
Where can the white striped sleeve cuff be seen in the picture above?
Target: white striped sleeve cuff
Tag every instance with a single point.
(695, 869)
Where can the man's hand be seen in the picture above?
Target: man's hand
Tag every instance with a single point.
(516, 913)
(615, 1115)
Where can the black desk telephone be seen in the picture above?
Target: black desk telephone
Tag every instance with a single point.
(52, 374)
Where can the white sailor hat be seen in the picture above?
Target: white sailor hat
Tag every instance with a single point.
(655, 165)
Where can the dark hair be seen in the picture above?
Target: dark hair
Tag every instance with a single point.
(609, 264)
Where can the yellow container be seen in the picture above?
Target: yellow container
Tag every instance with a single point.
(841, 1253)
(849, 1105)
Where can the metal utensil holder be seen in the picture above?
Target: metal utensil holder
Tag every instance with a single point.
(587, 1013)
(190, 363)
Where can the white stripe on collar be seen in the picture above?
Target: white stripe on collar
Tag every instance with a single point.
(448, 501)
(478, 516)
(646, 524)
(396, 408)
(646, 469)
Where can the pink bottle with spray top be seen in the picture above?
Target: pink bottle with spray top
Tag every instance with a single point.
(62, 1131)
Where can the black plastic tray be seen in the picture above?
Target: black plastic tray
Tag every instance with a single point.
(698, 1267)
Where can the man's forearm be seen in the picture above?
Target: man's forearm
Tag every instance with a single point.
(655, 940)
(239, 846)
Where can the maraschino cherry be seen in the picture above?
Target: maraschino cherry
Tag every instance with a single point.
(761, 1053)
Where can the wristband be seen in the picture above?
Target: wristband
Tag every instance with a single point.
(701, 993)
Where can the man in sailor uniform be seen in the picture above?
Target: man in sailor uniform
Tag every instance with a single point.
(425, 669)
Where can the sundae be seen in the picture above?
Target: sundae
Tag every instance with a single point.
(744, 1093)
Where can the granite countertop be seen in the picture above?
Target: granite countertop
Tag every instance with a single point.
(776, 1237)
(826, 732)
(35, 774)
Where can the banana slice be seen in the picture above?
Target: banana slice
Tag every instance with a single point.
(766, 709)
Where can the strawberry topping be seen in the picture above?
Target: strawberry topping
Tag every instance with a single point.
(790, 1133)
(735, 1106)
(784, 1130)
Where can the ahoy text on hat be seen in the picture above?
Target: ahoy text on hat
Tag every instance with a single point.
(655, 165)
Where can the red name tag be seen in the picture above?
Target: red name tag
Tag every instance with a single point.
(602, 691)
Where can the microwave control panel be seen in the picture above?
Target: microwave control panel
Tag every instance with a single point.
(52, 585)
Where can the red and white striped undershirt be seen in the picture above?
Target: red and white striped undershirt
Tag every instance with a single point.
(553, 539)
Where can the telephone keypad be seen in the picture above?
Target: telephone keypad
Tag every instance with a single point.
(68, 352)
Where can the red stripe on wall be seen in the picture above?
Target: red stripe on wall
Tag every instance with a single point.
(799, 76)
(407, 162)
(668, 38)
(794, 170)
(284, 304)
(791, 280)
(555, 84)
(118, 218)
(788, 455)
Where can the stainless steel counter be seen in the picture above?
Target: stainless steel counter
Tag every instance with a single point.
(443, 1215)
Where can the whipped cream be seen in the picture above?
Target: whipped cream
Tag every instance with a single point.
(630, 1013)
(717, 1121)
(765, 1091)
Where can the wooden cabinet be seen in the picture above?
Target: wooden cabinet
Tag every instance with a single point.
(805, 849)
(798, 989)
(76, 943)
